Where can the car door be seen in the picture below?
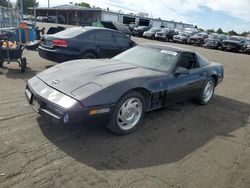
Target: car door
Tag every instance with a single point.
(106, 44)
(188, 85)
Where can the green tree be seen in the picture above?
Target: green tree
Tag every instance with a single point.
(200, 29)
(27, 4)
(5, 3)
(220, 31)
(210, 31)
(83, 4)
(232, 32)
(244, 33)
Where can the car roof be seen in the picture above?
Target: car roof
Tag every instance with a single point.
(166, 47)
(98, 28)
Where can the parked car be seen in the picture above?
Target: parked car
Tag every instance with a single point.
(198, 39)
(130, 26)
(138, 31)
(151, 32)
(182, 37)
(42, 18)
(246, 47)
(118, 92)
(214, 41)
(233, 43)
(165, 34)
(83, 42)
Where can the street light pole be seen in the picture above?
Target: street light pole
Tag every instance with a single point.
(48, 4)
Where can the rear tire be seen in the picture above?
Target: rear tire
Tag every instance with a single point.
(88, 56)
(207, 92)
(128, 113)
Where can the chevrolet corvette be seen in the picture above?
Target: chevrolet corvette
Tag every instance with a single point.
(118, 91)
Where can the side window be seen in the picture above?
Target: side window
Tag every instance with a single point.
(90, 36)
(121, 39)
(104, 36)
(188, 61)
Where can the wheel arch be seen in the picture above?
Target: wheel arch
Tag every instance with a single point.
(145, 92)
(90, 51)
(215, 77)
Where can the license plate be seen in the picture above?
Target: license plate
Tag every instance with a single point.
(36, 105)
(28, 95)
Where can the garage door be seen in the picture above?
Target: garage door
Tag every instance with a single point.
(110, 17)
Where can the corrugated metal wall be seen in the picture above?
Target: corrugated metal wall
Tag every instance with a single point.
(8, 17)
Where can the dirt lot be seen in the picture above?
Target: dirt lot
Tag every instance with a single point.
(184, 145)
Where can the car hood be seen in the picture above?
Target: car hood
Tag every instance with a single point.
(231, 42)
(149, 32)
(72, 75)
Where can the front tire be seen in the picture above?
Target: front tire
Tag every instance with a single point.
(128, 114)
(207, 92)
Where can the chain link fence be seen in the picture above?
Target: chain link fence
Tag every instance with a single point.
(8, 17)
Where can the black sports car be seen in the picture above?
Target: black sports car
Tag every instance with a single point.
(119, 91)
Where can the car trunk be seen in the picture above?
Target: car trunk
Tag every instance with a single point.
(52, 42)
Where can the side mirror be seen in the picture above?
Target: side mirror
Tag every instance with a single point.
(181, 70)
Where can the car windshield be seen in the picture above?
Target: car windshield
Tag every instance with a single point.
(212, 36)
(151, 58)
(70, 33)
(235, 38)
(154, 29)
(183, 34)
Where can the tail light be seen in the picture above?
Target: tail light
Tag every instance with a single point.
(60, 43)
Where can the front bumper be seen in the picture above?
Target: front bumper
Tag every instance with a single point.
(210, 45)
(160, 37)
(59, 114)
(146, 35)
(230, 47)
(180, 40)
(196, 41)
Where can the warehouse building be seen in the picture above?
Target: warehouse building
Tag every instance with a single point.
(76, 15)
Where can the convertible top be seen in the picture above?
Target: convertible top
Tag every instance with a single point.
(166, 47)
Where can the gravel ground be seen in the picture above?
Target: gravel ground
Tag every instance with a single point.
(184, 145)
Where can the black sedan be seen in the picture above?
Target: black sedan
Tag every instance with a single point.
(117, 92)
(138, 31)
(214, 41)
(198, 39)
(182, 37)
(83, 43)
(165, 34)
(234, 44)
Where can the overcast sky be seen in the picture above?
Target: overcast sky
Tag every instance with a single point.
(227, 14)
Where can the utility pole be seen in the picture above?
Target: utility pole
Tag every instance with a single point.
(21, 8)
(48, 4)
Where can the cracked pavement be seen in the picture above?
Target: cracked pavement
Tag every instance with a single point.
(184, 145)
